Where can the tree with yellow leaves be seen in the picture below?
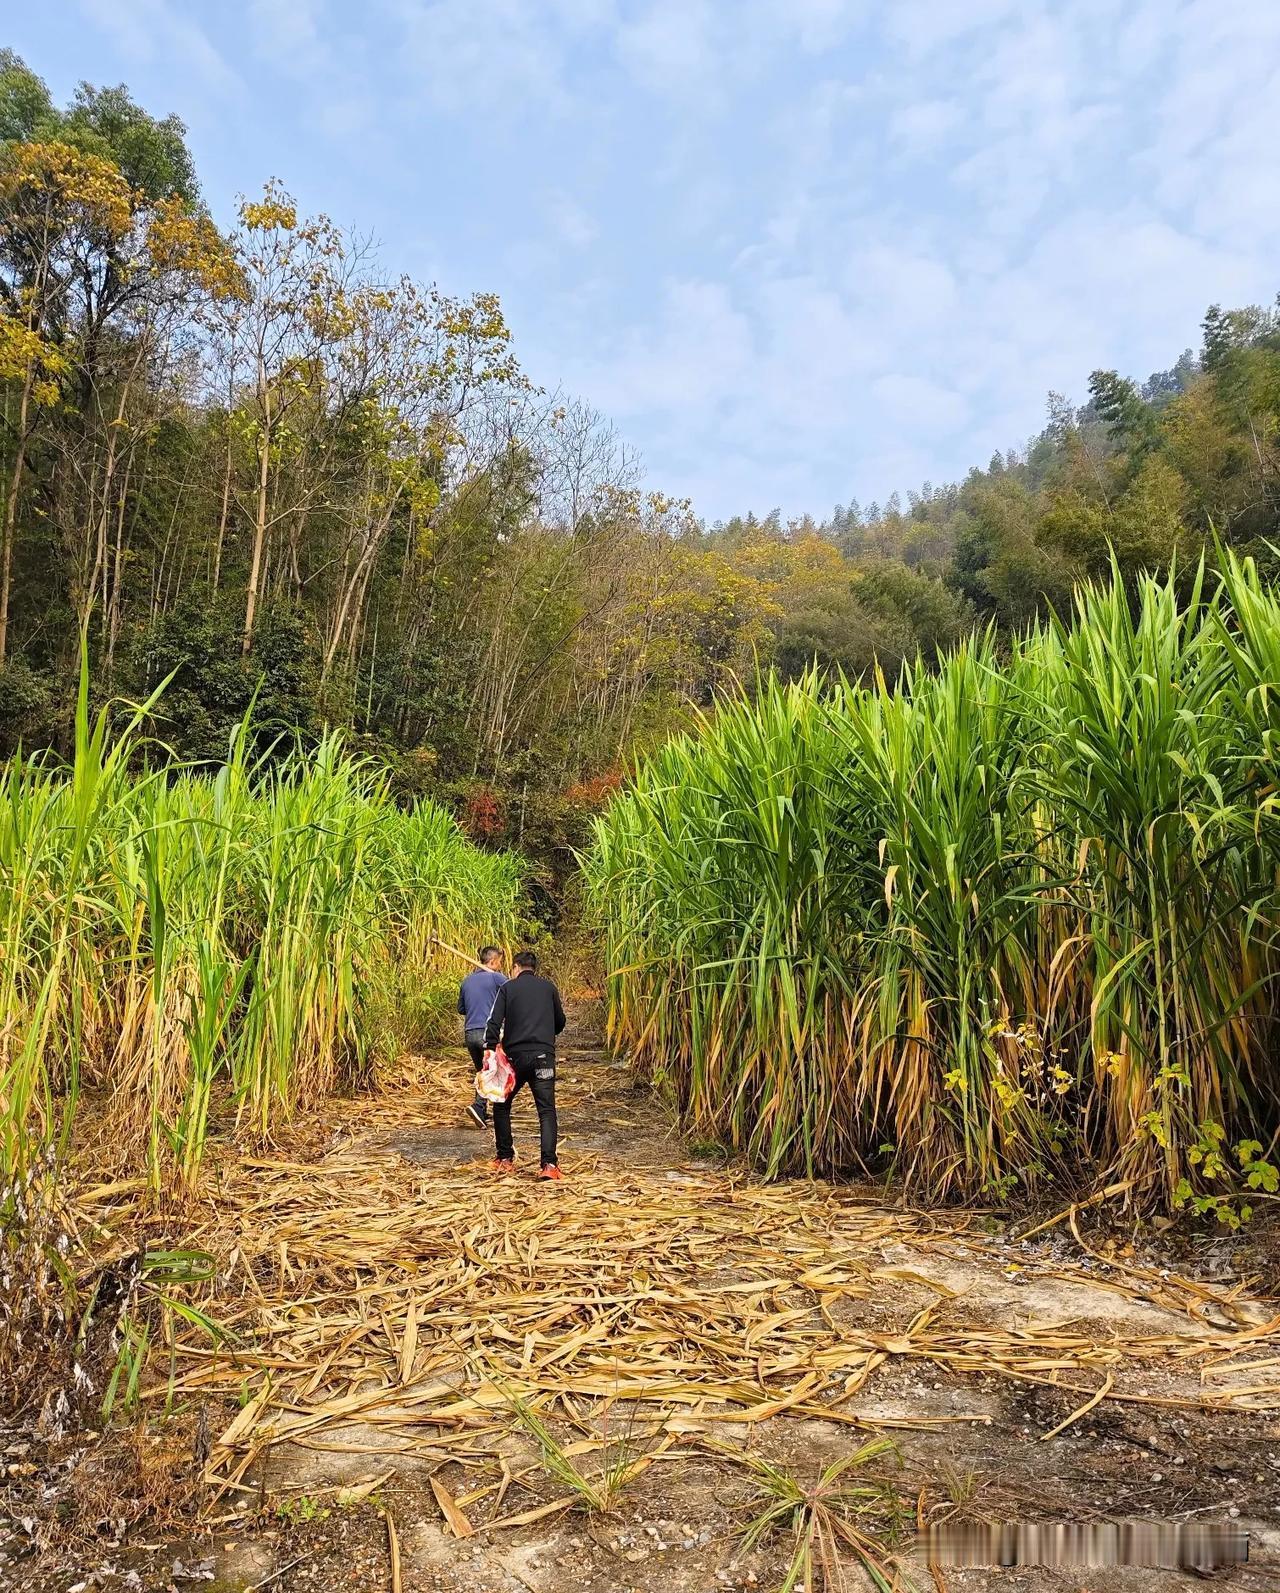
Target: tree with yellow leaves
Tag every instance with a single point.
(57, 207)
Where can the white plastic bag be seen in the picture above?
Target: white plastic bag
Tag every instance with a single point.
(497, 1078)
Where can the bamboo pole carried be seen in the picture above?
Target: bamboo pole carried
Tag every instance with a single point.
(456, 951)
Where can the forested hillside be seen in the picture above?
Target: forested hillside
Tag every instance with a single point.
(265, 464)
(1152, 472)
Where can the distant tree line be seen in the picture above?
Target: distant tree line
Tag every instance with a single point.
(1147, 475)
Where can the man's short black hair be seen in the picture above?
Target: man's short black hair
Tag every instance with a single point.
(527, 959)
(489, 951)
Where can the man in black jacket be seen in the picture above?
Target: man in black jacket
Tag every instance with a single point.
(527, 1016)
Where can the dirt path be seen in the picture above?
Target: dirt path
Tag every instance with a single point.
(677, 1320)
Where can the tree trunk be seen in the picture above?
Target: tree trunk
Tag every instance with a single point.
(117, 579)
(222, 515)
(11, 515)
(259, 532)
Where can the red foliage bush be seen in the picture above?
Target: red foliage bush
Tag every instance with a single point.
(483, 816)
(596, 791)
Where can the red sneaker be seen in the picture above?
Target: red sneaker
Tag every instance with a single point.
(503, 1164)
(552, 1172)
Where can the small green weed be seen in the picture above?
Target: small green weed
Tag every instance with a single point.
(826, 1519)
(622, 1458)
(300, 1510)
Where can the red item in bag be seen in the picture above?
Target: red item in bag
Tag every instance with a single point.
(497, 1078)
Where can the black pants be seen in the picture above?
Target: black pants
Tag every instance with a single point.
(475, 1045)
(535, 1066)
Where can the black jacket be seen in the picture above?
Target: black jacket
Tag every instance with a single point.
(526, 1011)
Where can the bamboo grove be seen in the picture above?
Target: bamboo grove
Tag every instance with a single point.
(238, 941)
(1008, 922)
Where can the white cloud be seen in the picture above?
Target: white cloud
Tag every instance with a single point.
(813, 25)
(670, 47)
(693, 360)
(570, 220)
(925, 26)
(918, 405)
(288, 34)
(820, 24)
(154, 30)
(700, 51)
(512, 54)
(901, 287)
(920, 127)
(474, 57)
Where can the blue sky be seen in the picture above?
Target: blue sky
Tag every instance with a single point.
(800, 251)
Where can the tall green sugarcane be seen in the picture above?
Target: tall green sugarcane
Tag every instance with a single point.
(1010, 920)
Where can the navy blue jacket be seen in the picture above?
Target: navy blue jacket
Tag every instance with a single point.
(477, 994)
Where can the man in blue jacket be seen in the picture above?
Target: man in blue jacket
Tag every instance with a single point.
(476, 996)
